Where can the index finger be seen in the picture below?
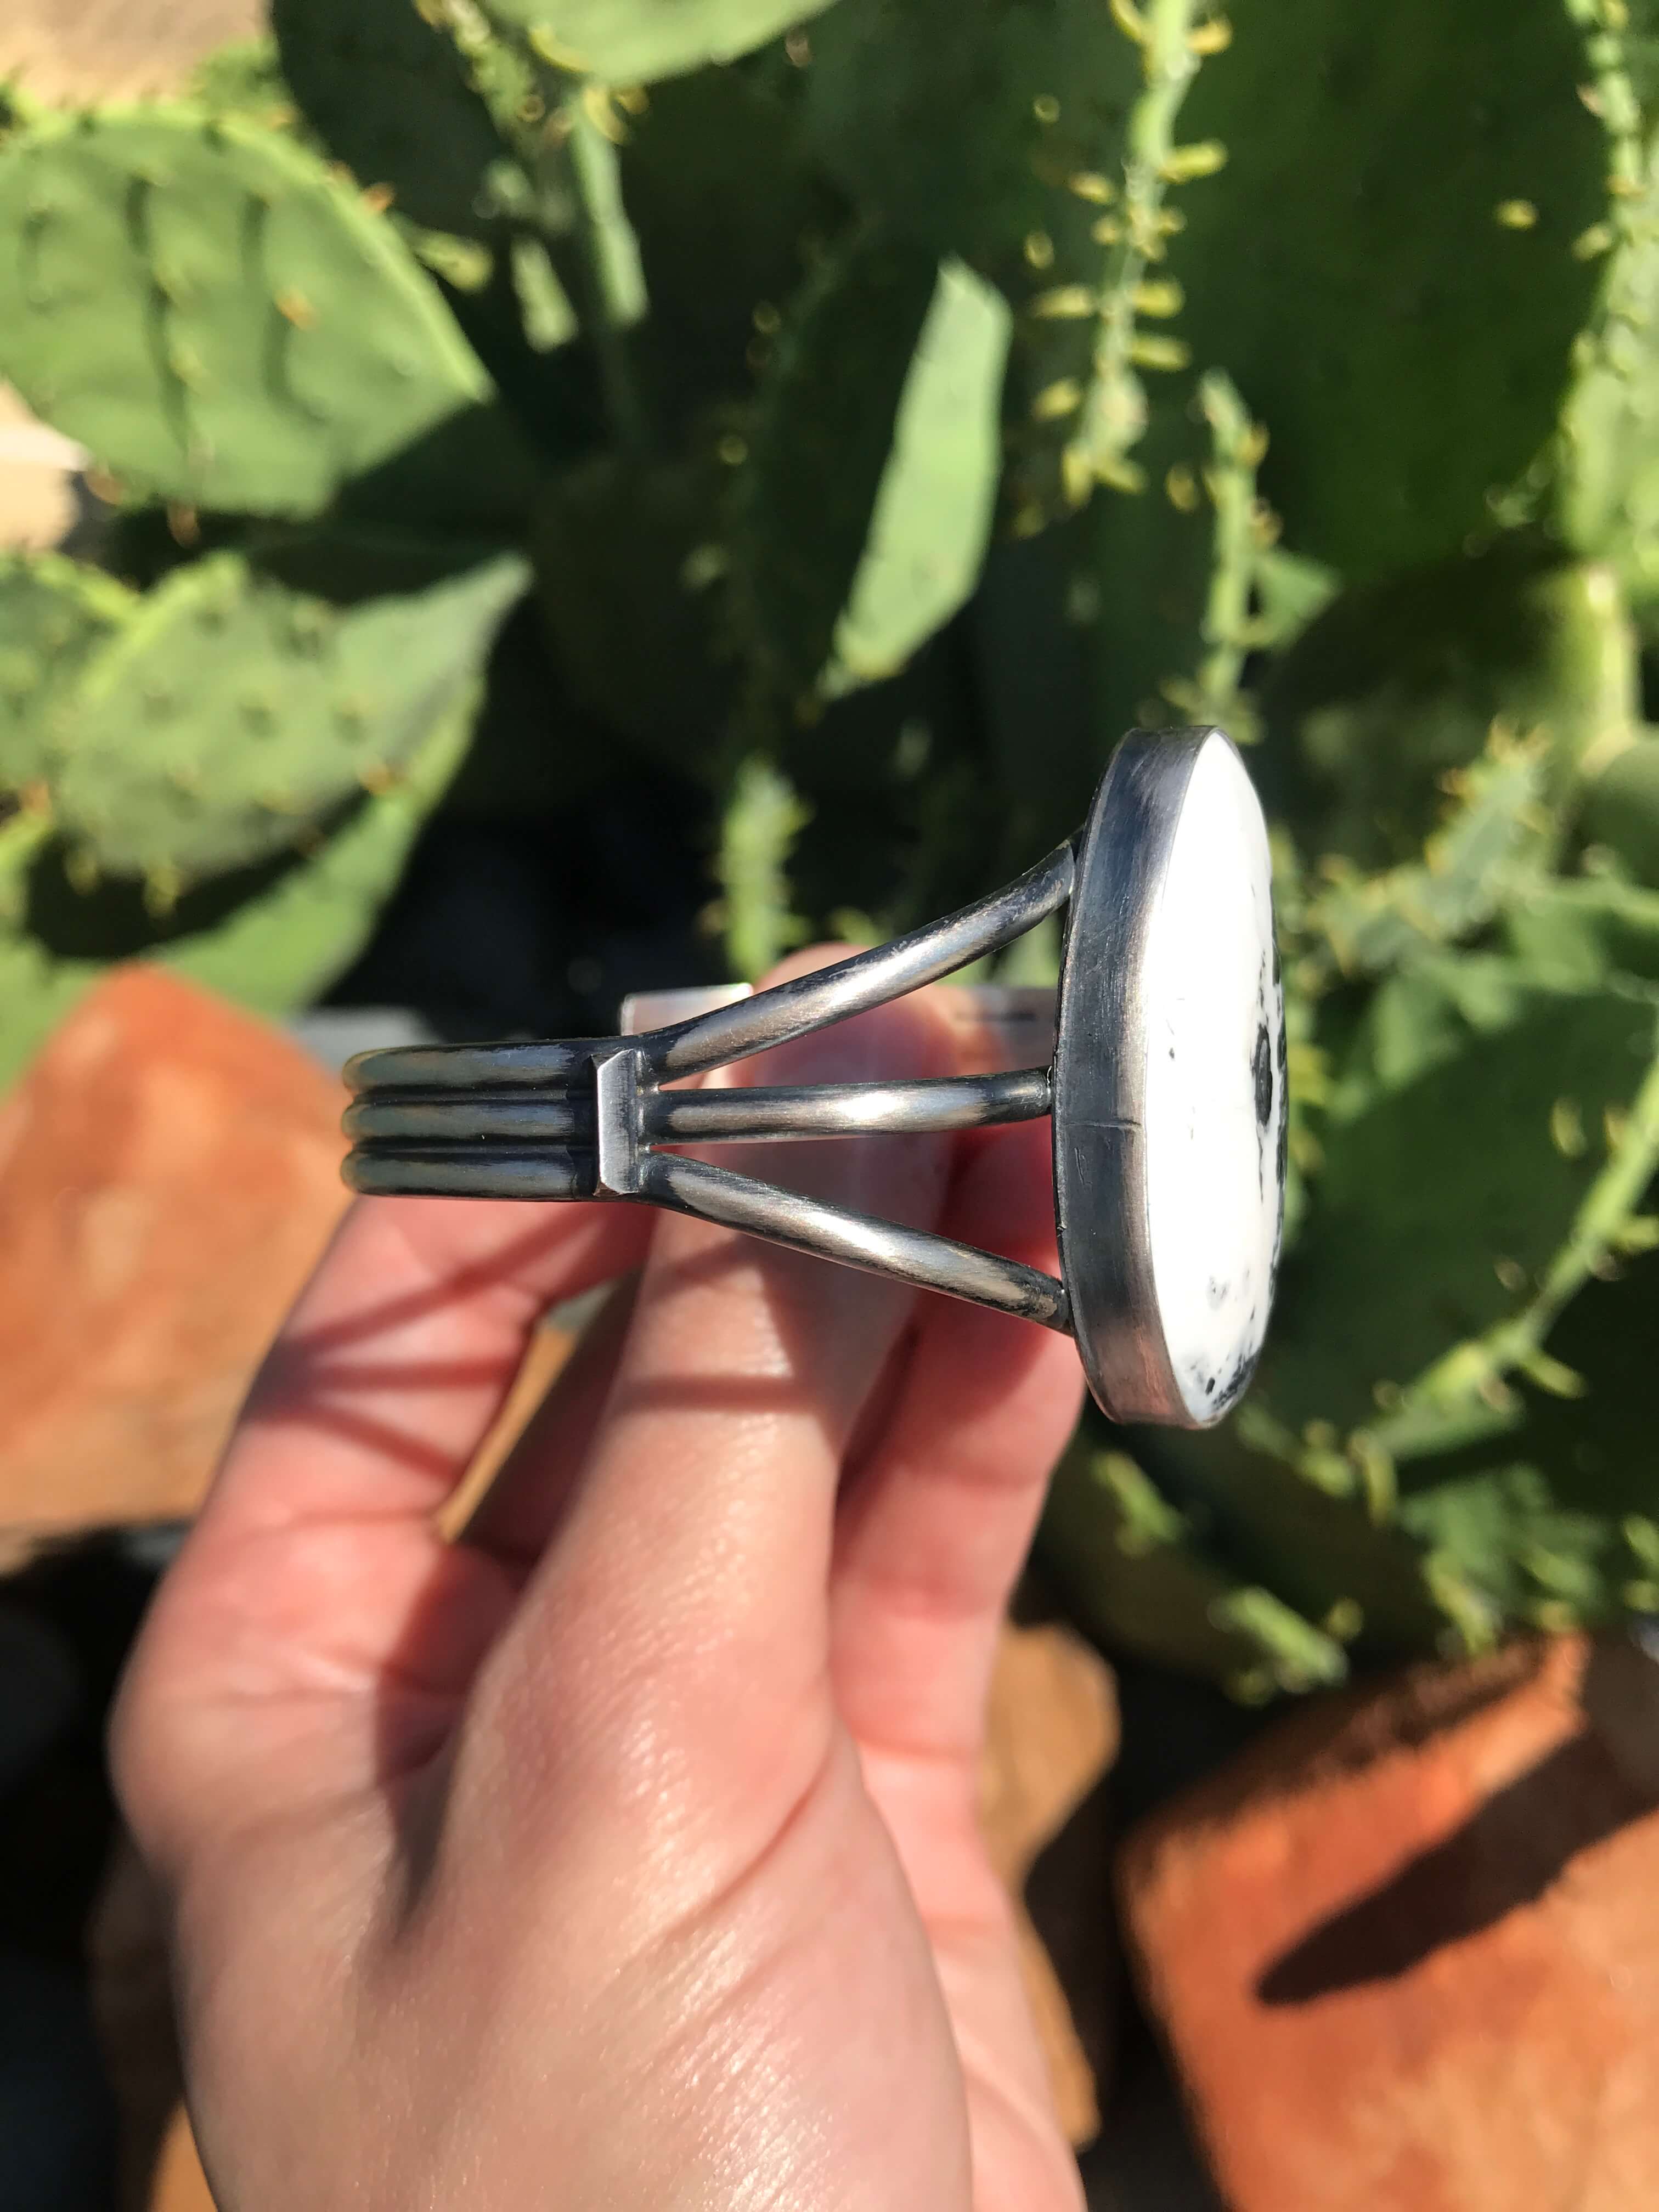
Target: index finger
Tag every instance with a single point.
(316, 1582)
(386, 1375)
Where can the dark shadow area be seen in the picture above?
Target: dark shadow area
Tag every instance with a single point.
(1147, 2157)
(1144, 2158)
(1177, 1730)
(1068, 1895)
(73, 1612)
(348, 562)
(1509, 1855)
(476, 472)
(57, 1817)
(112, 921)
(518, 916)
(555, 398)
(460, 493)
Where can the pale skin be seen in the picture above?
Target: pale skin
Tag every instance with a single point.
(621, 1857)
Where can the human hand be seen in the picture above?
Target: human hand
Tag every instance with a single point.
(625, 1854)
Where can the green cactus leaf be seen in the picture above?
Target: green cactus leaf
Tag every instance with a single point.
(617, 276)
(933, 508)
(995, 132)
(965, 125)
(214, 314)
(862, 515)
(1608, 502)
(1619, 804)
(1175, 571)
(1458, 1146)
(1506, 1536)
(1605, 466)
(36, 989)
(245, 79)
(1386, 264)
(1139, 611)
(1291, 592)
(392, 94)
(280, 949)
(630, 42)
(54, 614)
(273, 940)
(1554, 1527)
(1399, 682)
(1496, 832)
(763, 818)
(1139, 1576)
(237, 712)
(1581, 930)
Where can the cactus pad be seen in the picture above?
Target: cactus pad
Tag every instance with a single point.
(1609, 449)
(1386, 264)
(282, 948)
(214, 313)
(273, 941)
(631, 42)
(1138, 1573)
(1458, 1150)
(246, 80)
(1606, 462)
(54, 615)
(236, 715)
(967, 127)
(1398, 682)
(1580, 931)
(764, 816)
(1618, 806)
(1496, 833)
(862, 514)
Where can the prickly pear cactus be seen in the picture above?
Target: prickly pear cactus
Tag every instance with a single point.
(1397, 684)
(1606, 465)
(54, 614)
(216, 315)
(246, 80)
(636, 41)
(235, 715)
(272, 938)
(1388, 269)
(894, 401)
(885, 511)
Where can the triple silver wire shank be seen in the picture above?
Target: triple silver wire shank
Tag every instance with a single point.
(582, 1119)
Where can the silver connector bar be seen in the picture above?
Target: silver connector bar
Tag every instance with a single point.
(751, 1116)
(852, 987)
(847, 1109)
(856, 1240)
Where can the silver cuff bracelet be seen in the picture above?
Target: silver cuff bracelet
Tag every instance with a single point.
(1162, 1067)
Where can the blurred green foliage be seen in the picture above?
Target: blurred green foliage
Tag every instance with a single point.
(882, 406)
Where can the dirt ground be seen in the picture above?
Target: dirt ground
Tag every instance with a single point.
(70, 49)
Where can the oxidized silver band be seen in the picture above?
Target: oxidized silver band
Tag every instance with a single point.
(583, 1119)
(580, 1120)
